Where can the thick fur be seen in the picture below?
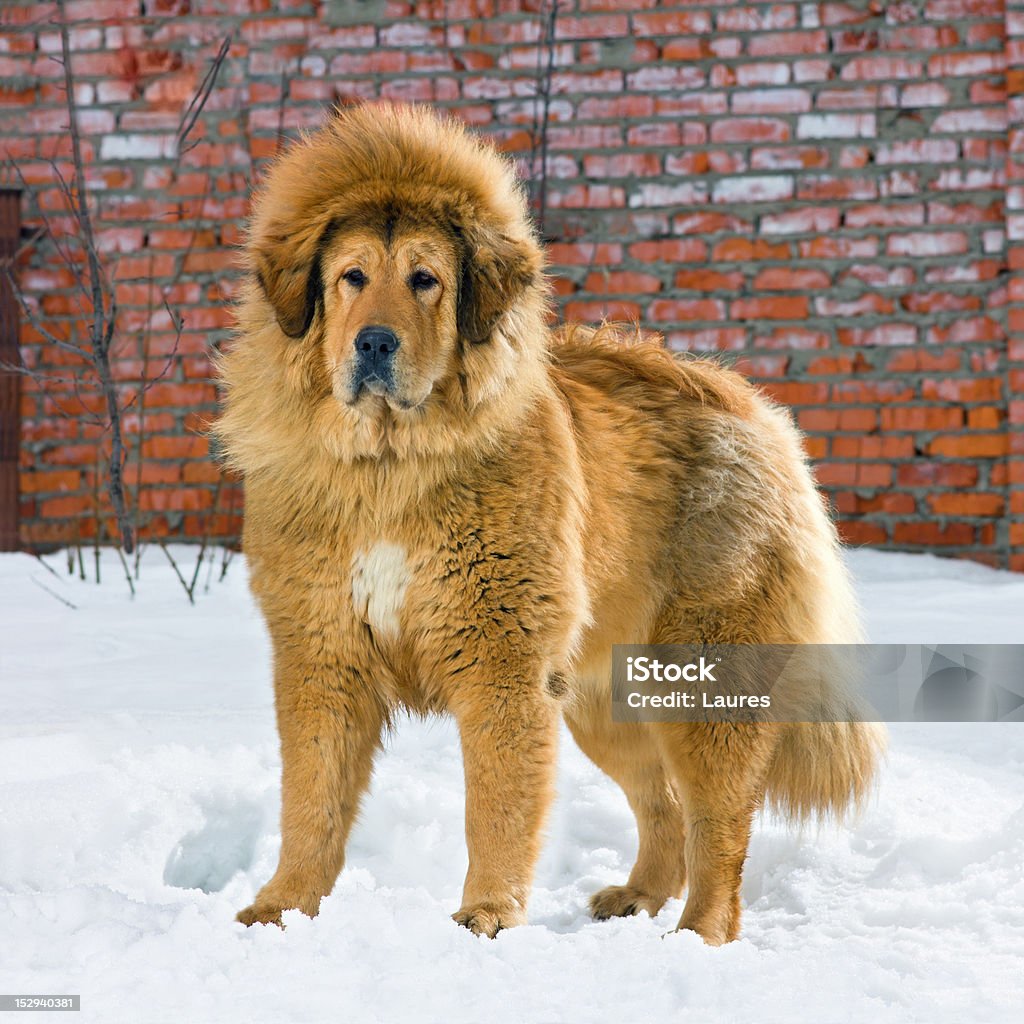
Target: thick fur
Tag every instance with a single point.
(474, 536)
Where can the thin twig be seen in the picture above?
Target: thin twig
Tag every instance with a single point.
(177, 571)
(209, 572)
(206, 534)
(35, 321)
(549, 42)
(282, 94)
(127, 571)
(49, 568)
(195, 108)
(97, 513)
(47, 227)
(229, 554)
(52, 593)
(78, 548)
(144, 344)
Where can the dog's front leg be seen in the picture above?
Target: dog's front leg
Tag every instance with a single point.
(509, 732)
(330, 725)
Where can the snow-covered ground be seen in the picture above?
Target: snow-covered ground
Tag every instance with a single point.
(138, 813)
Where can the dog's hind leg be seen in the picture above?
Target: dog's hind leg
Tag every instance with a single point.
(628, 754)
(720, 770)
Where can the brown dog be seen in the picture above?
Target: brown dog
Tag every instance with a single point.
(450, 507)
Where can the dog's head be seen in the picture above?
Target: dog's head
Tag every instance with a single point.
(393, 252)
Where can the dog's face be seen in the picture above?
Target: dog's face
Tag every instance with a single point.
(397, 306)
(389, 315)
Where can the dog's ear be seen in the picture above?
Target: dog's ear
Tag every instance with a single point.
(496, 270)
(288, 270)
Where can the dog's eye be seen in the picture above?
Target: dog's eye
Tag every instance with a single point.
(422, 280)
(355, 277)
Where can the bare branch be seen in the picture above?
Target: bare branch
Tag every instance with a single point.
(177, 572)
(206, 535)
(550, 30)
(195, 107)
(93, 292)
(46, 229)
(282, 93)
(104, 304)
(127, 571)
(96, 280)
(46, 565)
(34, 319)
(53, 593)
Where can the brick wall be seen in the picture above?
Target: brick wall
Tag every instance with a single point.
(821, 191)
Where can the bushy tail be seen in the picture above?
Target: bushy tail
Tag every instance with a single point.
(824, 769)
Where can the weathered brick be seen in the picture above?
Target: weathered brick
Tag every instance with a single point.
(836, 126)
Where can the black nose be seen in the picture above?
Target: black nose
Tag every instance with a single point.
(376, 345)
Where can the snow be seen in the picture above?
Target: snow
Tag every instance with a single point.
(138, 813)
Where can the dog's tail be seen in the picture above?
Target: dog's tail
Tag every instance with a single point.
(824, 769)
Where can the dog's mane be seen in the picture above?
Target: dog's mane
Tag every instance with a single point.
(372, 156)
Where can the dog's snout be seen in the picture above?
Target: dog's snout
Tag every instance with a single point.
(376, 345)
(375, 364)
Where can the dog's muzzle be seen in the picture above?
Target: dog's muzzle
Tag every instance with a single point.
(375, 360)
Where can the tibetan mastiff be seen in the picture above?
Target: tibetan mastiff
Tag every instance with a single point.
(452, 506)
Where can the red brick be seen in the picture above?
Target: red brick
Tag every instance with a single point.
(749, 129)
(967, 505)
(736, 250)
(786, 279)
(708, 281)
(775, 44)
(974, 64)
(606, 26)
(869, 303)
(791, 307)
(585, 253)
(923, 473)
(797, 392)
(927, 244)
(800, 221)
(611, 309)
(673, 250)
(175, 447)
(672, 23)
(922, 418)
(620, 282)
(672, 310)
(970, 445)
(925, 534)
(963, 390)
(49, 481)
(872, 391)
(884, 334)
(881, 66)
(859, 531)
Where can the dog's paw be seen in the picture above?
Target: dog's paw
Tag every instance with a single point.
(490, 918)
(623, 901)
(261, 913)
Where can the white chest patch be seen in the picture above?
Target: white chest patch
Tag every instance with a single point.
(379, 579)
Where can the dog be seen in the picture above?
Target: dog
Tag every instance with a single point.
(454, 507)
